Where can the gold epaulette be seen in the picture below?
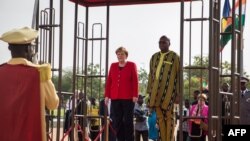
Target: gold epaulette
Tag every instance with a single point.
(45, 72)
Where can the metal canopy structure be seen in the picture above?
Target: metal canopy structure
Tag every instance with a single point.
(84, 53)
(92, 3)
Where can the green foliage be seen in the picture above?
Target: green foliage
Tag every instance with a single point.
(197, 79)
(190, 85)
(194, 79)
(226, 68)
(66, 80)
(198, 73)
(94, 85)
(143, 81)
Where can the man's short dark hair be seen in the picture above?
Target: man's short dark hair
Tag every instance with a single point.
(165, 37)
(196, 92)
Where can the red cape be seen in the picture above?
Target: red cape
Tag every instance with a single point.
(20, 112)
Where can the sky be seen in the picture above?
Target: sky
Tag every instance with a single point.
(136, 27)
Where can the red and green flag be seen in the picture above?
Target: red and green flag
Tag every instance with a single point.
(243, 9)
(226, 23)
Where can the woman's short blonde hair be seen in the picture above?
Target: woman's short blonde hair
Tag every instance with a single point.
(204, 96)
(122, 49)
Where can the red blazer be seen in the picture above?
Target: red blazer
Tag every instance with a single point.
(122, 83)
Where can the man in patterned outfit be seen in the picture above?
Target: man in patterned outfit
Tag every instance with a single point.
(163, 87)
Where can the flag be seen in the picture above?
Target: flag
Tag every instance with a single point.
(226, 16)
(227, 20)
(226, 24)
(243, 9)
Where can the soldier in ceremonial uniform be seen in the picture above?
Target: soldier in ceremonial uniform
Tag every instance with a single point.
(244, 102)
(26, 89)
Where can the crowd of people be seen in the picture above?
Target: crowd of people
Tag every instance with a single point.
(27, 89)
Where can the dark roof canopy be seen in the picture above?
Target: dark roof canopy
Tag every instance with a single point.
(120, 2)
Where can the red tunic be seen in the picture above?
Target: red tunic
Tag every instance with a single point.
(20, 117)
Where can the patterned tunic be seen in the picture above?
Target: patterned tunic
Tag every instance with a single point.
(163, 90)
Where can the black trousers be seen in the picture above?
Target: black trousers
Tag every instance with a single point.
(144, 135)
(94, 132)
(184, 135)
(196, 131)
(67, 122)
(123, 119)
(202, 138)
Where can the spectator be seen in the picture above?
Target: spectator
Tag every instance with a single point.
(225, 103)
(244, 102)
(141, 126)
(195, 96)
(94, 124)
(200, 111)
(153, 128)
(68, 117)
(110, 122)
(185, 126)
(81, 108)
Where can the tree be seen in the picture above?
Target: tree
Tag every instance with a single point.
(197, 79)
(66, 80)
(95, 84)
(143, 80)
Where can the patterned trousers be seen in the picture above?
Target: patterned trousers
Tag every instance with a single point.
(166, 123)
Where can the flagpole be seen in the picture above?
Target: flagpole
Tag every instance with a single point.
(241, 57)
(242, 38)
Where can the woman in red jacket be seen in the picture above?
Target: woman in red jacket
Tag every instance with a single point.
(122, 89)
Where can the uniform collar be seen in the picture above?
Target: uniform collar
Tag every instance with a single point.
(23, 61)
